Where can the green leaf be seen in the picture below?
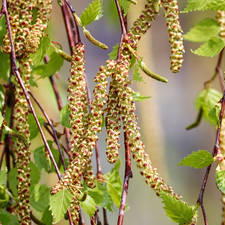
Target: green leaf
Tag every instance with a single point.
(2, 28)
(4, 65)
(35, 174)
(53, 65)
(1, 119)
(220, 180)
(206, 100)
(203, 31)
(139, 97)
(88, 206)
(201, 5)
(64, 116)
(198, 159)
(59, 203)
(47, 218)
(114, 183)
(33, 128)
(43, 47)
(7, 218)
(93, 12)
(3, 176)
(125, 5)
(136, 74)
(101, 196)
(114, 52)
(176, 210)
(12, 179)
(210, 48)
(39, 197)
(214, 115)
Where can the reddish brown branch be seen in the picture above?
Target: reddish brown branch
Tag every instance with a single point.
(128, 174)
(105, 219)
(215, 149)
(219, 71)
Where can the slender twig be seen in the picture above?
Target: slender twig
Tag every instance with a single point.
(128, 174)
(97, 218)
(105, 219)
(219, 71)
(123, 28)
(51, 125)
(215, 149)
(93, 220)
(38, 222)
(15, 71)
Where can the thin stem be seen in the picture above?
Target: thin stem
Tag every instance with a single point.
(216, 147)
(105, 217)
(15, 71)
(51, 125)
(218, 69)
(128, 174)
(38, 222)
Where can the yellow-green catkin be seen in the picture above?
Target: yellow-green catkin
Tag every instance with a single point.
(175, 34)
(220, 16)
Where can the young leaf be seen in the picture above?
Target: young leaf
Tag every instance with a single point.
(214, 114)
(88, 206)
(206, 100)
(198, 159)
(176, 210)
(125, 5)
(33, 128)
(7, 218)
(64, 116)
(59, 203)
(210, 48)
(201, 5)
(35, 174)
(3, 176)
(114, 52)
(53, 65)
(136, 74)
(47, 218)
(93, 12)
(203, 31)
(220, 180)
(139, 97)
(12, 179)
(101, 196)
(43, 47)
(39, 197)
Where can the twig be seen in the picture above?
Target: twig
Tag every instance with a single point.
(38, 222)
(215, 149)
(51, 125)
(105, 217)
(128, 174)
(218, 69)
(15, 71)
(97, 218)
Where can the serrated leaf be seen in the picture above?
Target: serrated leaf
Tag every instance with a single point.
(47, 218)
(64, 116)
(53, 65)
(136, 74)
(93, 12)
(214, 115)
(7, 218)
(137, 96)
(203, 31)
(201, 5)
(206, 100)
(210, 48)
(43, 47)
(88, 206)
(132, 61)
(125, 5)
(220, 180)
(176, 210)
(114, 52)
(3, 176)
(2, 98)
(101, 196)
(35, 174)
(39, 197)
(33, 128)
(59, 203)
(198, 159)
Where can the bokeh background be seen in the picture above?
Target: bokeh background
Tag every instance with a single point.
(162, 118)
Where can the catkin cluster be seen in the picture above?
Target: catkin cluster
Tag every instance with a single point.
(220, 17)
(175, 34)
(26, 34)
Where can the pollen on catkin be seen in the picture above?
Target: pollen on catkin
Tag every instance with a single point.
(175, 34)
(220, 17)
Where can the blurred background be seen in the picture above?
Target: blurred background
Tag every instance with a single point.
(162, 118)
